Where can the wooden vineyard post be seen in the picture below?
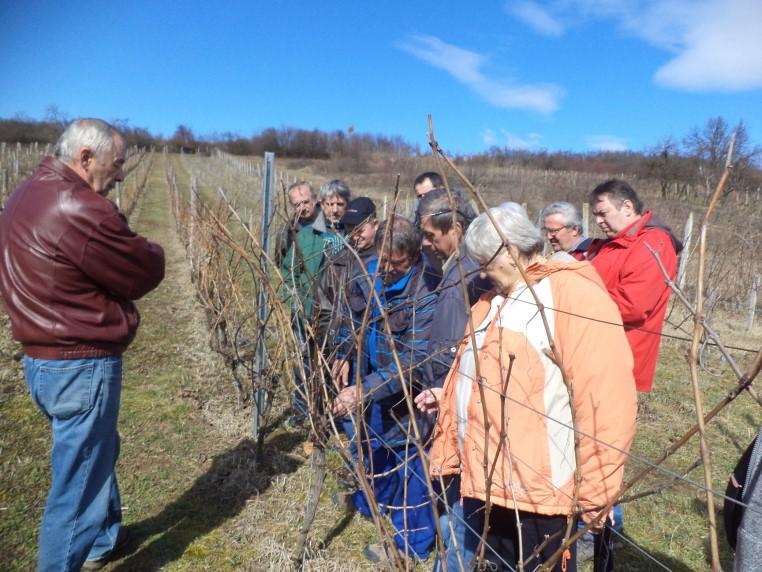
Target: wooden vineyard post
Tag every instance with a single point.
(3, 187)
(687, 234)
(585, 219)
(752, 302)
(192, 222)
(268, 182)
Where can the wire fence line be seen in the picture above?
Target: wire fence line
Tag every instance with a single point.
(19, 161)
(226, 270)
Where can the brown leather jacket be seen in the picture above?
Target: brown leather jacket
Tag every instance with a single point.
(71, 267)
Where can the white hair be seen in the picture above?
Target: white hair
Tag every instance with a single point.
(483, 241)
(95, 134)
(569, 212)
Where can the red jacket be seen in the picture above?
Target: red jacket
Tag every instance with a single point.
(71, 267)
(636, 283)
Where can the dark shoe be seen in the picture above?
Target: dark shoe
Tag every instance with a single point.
(343, 501)
(121, 542)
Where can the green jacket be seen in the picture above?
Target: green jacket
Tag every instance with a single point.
(303, 264)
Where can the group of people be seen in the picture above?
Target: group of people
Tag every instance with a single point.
(473, 375)
(480, 383)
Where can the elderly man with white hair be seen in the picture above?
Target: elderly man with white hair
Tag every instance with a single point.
(71, 270)
(514, 412)
(562, 227)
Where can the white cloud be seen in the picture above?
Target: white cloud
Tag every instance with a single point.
(510, 140)
(466, 66)
(721, 52)
(606, 143)
(537, 18)
(714, 45)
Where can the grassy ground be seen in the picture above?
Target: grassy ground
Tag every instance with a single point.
(195, 498)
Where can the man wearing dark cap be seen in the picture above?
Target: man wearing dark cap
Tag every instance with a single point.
(361, 224)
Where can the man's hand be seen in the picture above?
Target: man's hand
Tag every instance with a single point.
(428, 400)
(340, 373)
(347, 400)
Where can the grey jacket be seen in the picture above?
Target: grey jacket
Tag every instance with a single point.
(749, 546)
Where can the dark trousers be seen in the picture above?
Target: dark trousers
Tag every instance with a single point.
(538, 532)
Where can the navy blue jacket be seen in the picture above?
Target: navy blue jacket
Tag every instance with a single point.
(451, 317)
(409, 313)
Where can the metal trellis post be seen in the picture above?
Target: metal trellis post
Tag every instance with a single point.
(268, 182)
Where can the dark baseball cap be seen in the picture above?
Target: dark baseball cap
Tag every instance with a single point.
(358, 211)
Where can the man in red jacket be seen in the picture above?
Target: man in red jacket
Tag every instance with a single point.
(637, 285)
(630, 270)
(71, 269)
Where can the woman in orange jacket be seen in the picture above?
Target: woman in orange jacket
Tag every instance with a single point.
(507, 417)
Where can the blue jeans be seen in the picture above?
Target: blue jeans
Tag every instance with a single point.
(82, 517)
(461, 528)
(459, 537)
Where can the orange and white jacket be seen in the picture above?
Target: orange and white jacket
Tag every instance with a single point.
(535, 464)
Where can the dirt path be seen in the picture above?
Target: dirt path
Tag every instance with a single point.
(183, 434)
(199, 501)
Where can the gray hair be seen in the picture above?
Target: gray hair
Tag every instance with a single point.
(95, 134)
(334, 188)
(438, 206)
(403, 236)
(483, 241)
(567, 210)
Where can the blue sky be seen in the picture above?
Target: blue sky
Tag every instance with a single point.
(576, 75)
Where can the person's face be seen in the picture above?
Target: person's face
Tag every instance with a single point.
(363, 235)
(560, 235)
(610, 219)
(394, 265)
(104, 170)
(333, 208)
(423, 187)
(302, 202)
(502, 272)
(443, 244)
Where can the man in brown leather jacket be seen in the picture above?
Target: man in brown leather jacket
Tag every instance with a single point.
(71, 268)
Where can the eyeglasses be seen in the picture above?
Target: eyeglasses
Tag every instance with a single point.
(554, 231)
(492, 258)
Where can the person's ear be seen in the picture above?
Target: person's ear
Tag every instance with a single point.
(85, 156)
